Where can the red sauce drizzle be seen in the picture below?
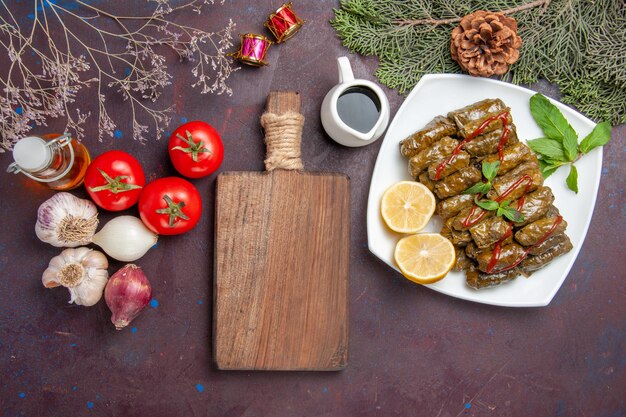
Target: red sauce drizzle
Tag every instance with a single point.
(529, 182)
(503, 117)
(505, 136)
(468, 221)
(496, 251)
(492, 263)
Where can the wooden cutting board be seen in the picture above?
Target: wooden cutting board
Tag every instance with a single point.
(282, 247)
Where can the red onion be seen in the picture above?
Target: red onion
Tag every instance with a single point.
(127, 293)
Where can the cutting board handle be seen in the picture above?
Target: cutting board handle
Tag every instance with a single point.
(283, 124)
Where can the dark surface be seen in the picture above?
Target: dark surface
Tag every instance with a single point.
(413, 352)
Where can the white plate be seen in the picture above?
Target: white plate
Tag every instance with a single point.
(437, 95)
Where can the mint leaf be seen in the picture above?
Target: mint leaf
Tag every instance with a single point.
(548, 147)
(479, 188)
(599, 136)
(486, 204)
(572, 179)
(548, 167)
(490, 169)
(554, 125)
(512, 214)
(570, 144)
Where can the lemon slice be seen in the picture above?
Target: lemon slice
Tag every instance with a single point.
(424, 258)
(407, 206)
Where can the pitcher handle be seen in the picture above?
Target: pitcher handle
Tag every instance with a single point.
(345, 70)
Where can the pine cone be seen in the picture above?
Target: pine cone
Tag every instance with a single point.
(485, 43)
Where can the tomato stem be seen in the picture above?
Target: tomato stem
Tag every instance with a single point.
(194, 147)
(174, 210)
(114, 185)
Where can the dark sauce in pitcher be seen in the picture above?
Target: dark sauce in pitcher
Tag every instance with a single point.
(359, 108)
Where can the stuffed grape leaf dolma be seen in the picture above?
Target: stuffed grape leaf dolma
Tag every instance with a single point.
(508, 255)
(469, 118)
(533, 263)
(423, 178)
(457, 237)
(472, 251)
(439, 127)
(535, 205)
(547, 244)
(470, 216)
(427, 156)
(458, 182)
(452, 206)
(539, 230)
(478, 279)
(490, 231)
(487, 143)
(462, 262)
(458, 162)
(524, 178)
(447, 156)
(511, 157)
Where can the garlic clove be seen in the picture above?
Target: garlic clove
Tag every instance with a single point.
(76, 255)
(49, 278)
(95, 259)
(90, 291)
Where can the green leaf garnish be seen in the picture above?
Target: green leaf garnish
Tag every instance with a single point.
(548, 167)
(479, 188)
(501, 209)
(490, 169)
(552, 122)
(599, 136)
(512, 214)
(486, 204)
(560, 145)
(572, 179)
(548, 147)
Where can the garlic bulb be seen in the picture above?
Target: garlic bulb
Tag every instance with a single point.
(125, 238)
(66, 221)
(82, 271)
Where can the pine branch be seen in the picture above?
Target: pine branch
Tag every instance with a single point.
(437, 22)
(577, 44)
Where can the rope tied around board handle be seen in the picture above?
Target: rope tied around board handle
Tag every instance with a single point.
(283, 136)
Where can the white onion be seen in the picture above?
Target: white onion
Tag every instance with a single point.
(125, 238)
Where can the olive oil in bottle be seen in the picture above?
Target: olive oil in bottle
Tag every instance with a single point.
(58, 161)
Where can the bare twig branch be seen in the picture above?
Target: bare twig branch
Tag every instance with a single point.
(44, 82)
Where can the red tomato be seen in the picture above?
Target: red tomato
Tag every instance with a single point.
(170, 206)
(114, 180)
(196, 149)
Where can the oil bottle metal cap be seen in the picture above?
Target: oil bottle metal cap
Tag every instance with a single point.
(32, 154)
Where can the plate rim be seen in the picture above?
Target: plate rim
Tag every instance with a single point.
(370, 199)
